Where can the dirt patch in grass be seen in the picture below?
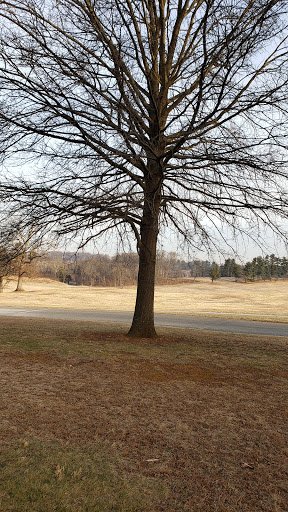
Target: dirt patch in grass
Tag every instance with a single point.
(189, 422)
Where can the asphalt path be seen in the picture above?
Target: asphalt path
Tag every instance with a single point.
(182, 321)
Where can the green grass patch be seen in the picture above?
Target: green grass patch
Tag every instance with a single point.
(41, 476)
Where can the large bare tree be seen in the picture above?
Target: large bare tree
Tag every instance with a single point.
(142, 113)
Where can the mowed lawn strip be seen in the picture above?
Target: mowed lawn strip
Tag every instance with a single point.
(95, 421)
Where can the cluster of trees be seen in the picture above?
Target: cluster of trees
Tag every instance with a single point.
(269, 267)
(119, 270)
(231, 269)
(259, 268)
(138, 114)
(88, 269)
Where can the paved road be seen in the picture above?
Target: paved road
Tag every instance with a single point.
(184, 321)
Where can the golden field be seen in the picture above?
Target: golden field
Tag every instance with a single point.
(223, 297)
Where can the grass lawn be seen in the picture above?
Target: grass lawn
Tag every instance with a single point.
(265, 300)
(92, 421)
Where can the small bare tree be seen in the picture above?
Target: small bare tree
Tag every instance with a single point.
(19, 247)
(10, 251)
(143, 113)
(5, 265)
(29, 244)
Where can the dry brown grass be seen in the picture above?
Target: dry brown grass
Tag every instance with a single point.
(204, 415)
(223, 297)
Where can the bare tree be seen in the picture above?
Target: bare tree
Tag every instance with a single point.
(10, 250)
(6, 261)
(19, 247)
(29, 244)
(142, 113)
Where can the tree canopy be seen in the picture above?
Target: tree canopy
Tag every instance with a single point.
(143, 113)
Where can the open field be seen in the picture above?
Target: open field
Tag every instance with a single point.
(263, 299)
(93, 421)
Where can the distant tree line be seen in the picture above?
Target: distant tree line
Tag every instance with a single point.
(121, 270)
(260, 268)
(269, 267)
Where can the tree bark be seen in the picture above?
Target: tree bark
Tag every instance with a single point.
(1, 284)
(20, 284)
(143, 319)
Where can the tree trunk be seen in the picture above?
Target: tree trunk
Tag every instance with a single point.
(1, 284)
(143, 320)
(20, 284)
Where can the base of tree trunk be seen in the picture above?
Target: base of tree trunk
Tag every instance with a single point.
(142, 332)
(142, 327)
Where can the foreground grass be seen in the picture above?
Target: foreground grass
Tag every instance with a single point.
(95, 421)
(41, 475)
